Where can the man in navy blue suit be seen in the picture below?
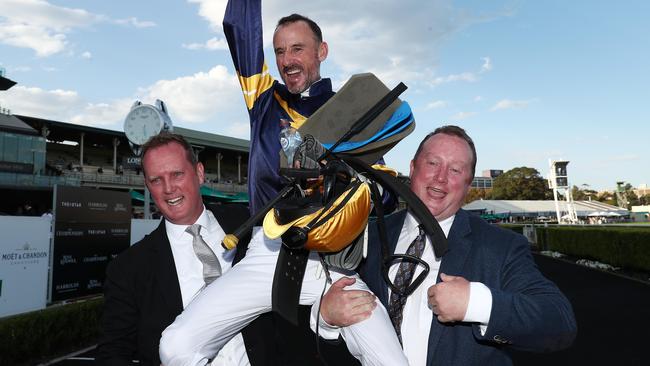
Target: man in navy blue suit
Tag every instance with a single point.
(482, 297)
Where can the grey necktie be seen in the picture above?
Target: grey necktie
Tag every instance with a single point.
(211, 266)
(403, 278)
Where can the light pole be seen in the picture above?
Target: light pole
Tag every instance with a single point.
(558, 181)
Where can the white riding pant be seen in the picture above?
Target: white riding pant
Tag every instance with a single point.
(235, 299)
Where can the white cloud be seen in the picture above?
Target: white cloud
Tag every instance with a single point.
(205, 97)
(37, 102)
(436, 104)
(462, 115)
(39, 25)
(466, 76)
(87, 55)
(46, 15)
(199, 97)
(21, 69)
(212, 11)
(105, 115)
(239, 129)
(64, 106)
(44, 43)
(212, 44)
(478, 98)
(135, 22)
(469, 77)
(43, 27)
(487, 65)
(510, 104)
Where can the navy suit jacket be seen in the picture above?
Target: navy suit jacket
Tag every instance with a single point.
(528, 311)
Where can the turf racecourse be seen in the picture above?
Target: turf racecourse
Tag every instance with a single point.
(613, 314)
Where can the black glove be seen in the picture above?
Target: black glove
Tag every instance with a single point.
(308, 152)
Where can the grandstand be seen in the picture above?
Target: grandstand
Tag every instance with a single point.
(37, 153)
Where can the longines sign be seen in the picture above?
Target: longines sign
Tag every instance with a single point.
(133, 161)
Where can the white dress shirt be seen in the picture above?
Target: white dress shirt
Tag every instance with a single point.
(416, 314)
(190, 274)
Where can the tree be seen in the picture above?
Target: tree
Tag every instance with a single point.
(521, 183)
(644, 200)
(476, 194)
(607, 197)
(577, 193)
(583, 194)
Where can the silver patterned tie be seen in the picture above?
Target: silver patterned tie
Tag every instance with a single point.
(211, 266)
(403, 278)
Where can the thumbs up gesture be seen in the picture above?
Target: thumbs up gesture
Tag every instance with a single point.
(449, 298)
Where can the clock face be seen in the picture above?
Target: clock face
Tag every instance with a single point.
(142, 123)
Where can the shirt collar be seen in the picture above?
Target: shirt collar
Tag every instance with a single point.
(320, 86)
(175, 231)
(412, 223)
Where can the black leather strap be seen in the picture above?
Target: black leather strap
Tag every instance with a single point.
(287, 282)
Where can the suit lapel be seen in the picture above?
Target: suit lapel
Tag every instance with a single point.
(393, 229)
(372, 270)
(167, 278)
(230, 217)
(452, 263)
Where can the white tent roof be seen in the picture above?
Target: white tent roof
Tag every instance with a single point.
(537, 208)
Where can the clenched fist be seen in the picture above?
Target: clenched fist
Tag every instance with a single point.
(449, 299)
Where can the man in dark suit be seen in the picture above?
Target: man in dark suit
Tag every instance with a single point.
(149, 284)
(483, 296)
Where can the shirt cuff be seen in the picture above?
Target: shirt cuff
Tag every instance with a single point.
(325, 331)
(480, 305)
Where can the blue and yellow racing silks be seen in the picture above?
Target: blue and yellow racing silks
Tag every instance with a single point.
(267, 99)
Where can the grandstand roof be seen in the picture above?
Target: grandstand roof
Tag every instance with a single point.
(13, 124)
(5, 83)
(538, 208)
(212, 140)
(61, 131)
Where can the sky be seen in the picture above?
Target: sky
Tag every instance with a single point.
(529, 80)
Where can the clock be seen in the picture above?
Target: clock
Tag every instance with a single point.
(145, 121)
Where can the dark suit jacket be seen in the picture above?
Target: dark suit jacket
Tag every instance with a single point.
(528, 311)
(142, 297)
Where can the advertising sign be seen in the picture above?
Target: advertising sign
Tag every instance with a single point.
(133, 162)
(91, 227)
(24, 259)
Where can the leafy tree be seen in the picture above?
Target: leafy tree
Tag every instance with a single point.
(583, 194)
(577, 193)
(644, 200)
(476, 194)
(607, 197)
(521, 183)
(632, 199)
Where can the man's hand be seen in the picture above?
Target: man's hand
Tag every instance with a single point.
(342, 307)
(307, 153)
(449, 299)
